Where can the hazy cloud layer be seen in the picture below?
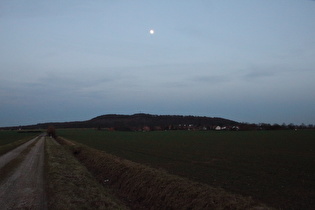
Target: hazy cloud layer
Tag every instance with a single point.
(246, 60)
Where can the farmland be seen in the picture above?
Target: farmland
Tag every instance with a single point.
(275, 167)
(12, 139)
(7, 137)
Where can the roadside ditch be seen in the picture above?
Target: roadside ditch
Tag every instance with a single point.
(70, 185)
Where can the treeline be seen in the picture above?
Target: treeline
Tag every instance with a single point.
(267, 126)
(207, 127)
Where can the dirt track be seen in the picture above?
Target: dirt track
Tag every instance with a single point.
(24, 189)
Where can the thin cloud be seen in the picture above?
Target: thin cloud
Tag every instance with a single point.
(259, 74)
(213, 79)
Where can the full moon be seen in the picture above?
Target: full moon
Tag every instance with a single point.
(151, 31)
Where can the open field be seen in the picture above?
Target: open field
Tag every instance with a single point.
(7, 137)
(143, 187)
(275, 167)
(12, 139)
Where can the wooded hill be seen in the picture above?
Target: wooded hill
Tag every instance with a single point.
(138, 121)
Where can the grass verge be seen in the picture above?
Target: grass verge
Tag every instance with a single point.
(9, 168)
(147, 188)
(70, 185)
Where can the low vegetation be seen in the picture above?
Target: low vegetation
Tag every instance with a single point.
(143, 187)
(51, 131)
(7, 137)
(274, 167)
(70, 185)
(12, 139)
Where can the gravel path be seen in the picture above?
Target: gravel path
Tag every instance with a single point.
(24, 189)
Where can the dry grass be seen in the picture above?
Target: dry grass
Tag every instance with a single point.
(70, 185)
(147, 188)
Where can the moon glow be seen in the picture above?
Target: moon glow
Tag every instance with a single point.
(151, 31)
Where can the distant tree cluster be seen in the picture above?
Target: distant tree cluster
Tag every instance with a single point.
(267, 126)
(51, 131)
(199, 127)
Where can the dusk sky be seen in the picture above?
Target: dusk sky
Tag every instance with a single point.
(246, 60)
